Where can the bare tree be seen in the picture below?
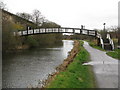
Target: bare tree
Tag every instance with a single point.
(115, 30)
(3, 6)
(37, 17)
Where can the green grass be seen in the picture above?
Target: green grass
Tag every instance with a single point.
(76, 75)
(114, 54)
(92, 44)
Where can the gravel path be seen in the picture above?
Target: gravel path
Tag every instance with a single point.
(104, 67)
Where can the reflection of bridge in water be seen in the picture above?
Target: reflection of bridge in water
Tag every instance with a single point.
(57, 30)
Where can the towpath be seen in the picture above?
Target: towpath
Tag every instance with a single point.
(105, 68)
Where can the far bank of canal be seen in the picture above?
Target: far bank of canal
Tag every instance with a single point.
(29, 67)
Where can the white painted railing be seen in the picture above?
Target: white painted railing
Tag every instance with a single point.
(101, 41)
(111, 41)
(56, 30)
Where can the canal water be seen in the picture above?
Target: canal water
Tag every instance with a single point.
(29, 67)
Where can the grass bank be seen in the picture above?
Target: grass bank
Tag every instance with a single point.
(75, 75)
(114, 54)
(94, 45)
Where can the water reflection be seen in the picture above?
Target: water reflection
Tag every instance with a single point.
(31, 66)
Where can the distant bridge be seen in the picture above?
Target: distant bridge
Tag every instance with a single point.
(57, 30)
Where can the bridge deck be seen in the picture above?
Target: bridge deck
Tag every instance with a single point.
(57, 30)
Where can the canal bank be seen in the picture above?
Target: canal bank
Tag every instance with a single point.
(72, 74)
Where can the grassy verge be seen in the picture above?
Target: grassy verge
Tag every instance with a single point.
(94, 45)
(76, 75)
(114, 54)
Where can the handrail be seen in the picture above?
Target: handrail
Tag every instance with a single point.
(101, 41)
(56, 30)
(111, 41)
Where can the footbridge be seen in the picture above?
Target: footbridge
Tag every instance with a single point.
(57, 30)
(104, 43)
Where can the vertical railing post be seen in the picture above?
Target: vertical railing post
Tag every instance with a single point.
(45, 30)
(21, 33)
(27, 31)
(80, 31)
(65, 30)
(39, 30)
(87, 32)
(58, 30)
(33, 30)
(73, 30)
(95, 33)
(52, 30)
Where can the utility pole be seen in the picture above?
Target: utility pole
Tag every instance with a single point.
(104, 31)
(104, 26)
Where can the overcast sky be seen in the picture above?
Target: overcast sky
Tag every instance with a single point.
(71, 13)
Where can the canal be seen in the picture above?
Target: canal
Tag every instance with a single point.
(29, 67)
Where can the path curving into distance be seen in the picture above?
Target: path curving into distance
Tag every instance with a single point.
(105, 68)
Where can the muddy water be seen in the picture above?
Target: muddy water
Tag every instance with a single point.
(29, 67)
